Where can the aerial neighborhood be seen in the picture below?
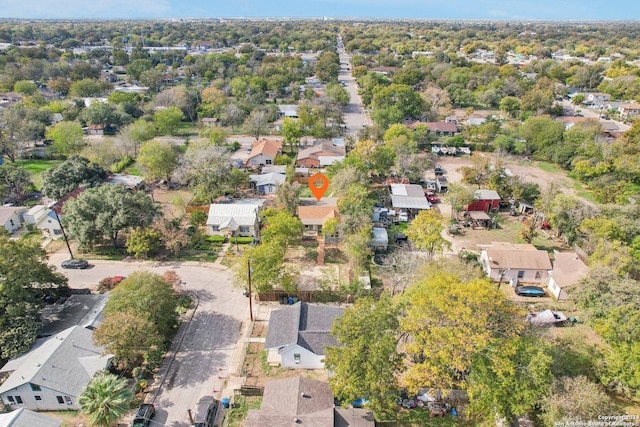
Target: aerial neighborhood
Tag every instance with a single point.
(326, 222)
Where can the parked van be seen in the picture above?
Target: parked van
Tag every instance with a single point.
(205, 412)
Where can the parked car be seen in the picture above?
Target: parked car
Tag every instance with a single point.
(75, 263)
(432, 198)
(530, 291)
(403, 216)
(143, 416)
(205, 412)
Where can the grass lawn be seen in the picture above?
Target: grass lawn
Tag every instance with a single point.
(234, 417)
(549, 167)
(36, 167)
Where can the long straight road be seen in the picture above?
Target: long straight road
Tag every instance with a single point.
(355, 115)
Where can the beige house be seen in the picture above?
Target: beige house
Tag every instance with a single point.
(315, 213)
(263, 153)
(503, 261)
(10, 217)
(568, 269)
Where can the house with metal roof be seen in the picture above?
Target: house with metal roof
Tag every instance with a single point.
(305, 401)
(52, 375)
(298, 335)
(408, 196)
(267, 183)
(236, 219)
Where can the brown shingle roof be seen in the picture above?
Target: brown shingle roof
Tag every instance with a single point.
(267, 147)
(568, 269)
(519, 259)
(316, 215)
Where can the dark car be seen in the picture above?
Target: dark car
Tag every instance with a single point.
(143, 416)
(75, 263)
(205, 412)
(530, 291)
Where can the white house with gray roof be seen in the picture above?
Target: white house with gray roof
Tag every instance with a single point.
(298, 335)
(51, 376)
(236, 219)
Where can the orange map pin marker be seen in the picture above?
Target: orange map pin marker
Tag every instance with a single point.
(318, 184)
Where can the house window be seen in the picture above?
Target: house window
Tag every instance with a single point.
(37, 397)
(268, 161)
(67, 399)
(538, 275)
(215, 228)
(10, 399)
(296, 358)
(243, 229)
(35, 387)
(60, 400)
(18, 400)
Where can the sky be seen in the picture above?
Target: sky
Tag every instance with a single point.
(557, 10)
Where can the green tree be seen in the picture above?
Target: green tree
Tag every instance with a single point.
(291, 132)
(510, 105)
(426, 232)
(542, 134)
(102, 113)
(105, 399)
(67, 137)
(143, 307)
(137, 67)
(105, 211)
(76, 171)
(167, 120)
(15, 182)
(327, 66)
(511, 379)
(25, 87)
(267, 269)
(367, 363)
(136, 133)
(25, 278)
(288, 196)
(448, 321)
(337, 94)
(395, 102)
(143, 241)
(281, 227)
(158, 159)
(85, 88)
(257, 124)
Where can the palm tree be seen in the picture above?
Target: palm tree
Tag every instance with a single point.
(105, 399)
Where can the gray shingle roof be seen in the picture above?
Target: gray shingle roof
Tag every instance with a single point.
(25, 418)
(65, 362)
(305, 324)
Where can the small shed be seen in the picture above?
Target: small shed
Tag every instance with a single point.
(380, 239)
(480, 220)
(485, 201)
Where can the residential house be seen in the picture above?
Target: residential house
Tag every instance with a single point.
(132, 182)
(304, 401)
(442, 128)
(25, 418)
(299, 334)
(320, 155)
(568, 269)
(267, 183)
(485, 201)
(288, 110)
(10, 217)
(45, 220)
(235, 219)
(629, 111)
(264, 152)
(315, 213)
(508, 262)
(596, 98)
(51, 376)
(210, 122)
(475, 121)
(409, 196)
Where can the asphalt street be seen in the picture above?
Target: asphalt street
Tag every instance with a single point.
(205, 356)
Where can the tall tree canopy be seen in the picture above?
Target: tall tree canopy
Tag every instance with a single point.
(105, 211)
(74, 172)
(25, 278)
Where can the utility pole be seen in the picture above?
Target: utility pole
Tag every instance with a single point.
(66, 239)
(250, 296)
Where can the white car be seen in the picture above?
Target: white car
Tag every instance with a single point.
(403, 216)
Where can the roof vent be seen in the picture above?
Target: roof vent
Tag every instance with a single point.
(37, 365)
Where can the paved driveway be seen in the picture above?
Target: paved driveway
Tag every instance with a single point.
(205, 355)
